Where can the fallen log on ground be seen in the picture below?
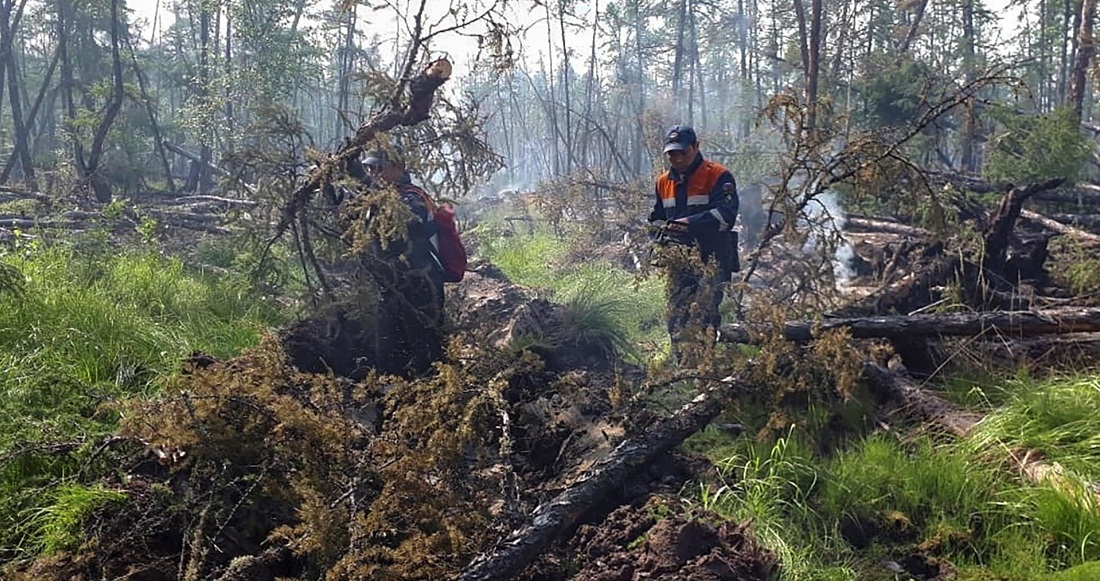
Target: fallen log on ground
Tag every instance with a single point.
(1088, 222)
(1086, 238)
(551, 518)
(1081, 195)
(1010, 323)
(864, 224)
(979, 284)
(921, 403)
(11, 194)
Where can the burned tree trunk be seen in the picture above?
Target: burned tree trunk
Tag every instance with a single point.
(1010, 323)
(1001, 225)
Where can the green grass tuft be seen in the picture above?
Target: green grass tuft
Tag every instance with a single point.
(1056, 417)
(59, 525)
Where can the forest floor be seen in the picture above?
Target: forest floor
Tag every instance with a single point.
(293, 460)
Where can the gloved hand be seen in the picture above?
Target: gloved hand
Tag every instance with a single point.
(676, 227)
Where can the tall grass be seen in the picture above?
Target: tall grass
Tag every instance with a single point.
(883, 499)
(771, 487)
(1056, 417)
(83, 331)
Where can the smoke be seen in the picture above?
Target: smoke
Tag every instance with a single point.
(829, 218)
(842, 258)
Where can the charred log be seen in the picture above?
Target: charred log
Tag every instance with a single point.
(1006, 323)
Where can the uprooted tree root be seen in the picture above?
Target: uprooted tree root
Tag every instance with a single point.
(252, 469)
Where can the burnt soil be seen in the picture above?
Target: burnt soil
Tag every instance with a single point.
(645, 541)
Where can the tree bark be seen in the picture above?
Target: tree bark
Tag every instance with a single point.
(813, 65)
(98, 183)
(1007, 323)
(967, 160)
(1085, 49)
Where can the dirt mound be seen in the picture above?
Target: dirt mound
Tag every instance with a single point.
(632, 543)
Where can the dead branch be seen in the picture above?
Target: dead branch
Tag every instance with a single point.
(421, 91)
(209, 165)
(17, 194)
(861, 224)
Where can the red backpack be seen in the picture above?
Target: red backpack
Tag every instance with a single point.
(448, 244)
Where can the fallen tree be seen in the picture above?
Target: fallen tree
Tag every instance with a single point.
(422, 89)
(1086, 238)
(1010, 323)
(982, 278)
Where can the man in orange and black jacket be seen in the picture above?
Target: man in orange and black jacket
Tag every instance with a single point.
(696, 206)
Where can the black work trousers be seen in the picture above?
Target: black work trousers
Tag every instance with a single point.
(694, 293)
(409, 323)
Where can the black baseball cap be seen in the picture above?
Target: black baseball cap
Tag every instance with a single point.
(679, 138)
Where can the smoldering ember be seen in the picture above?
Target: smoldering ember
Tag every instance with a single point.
(487, 290)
